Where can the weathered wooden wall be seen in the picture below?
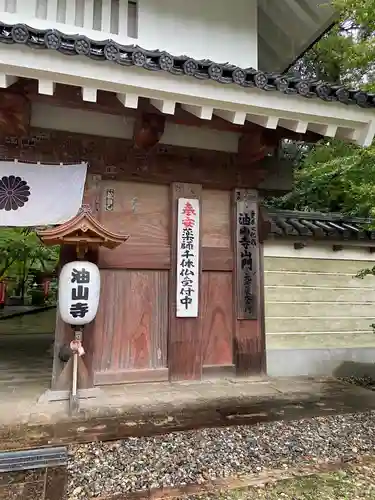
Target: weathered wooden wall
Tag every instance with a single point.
(131, 328)
(216, 325)
(135, 336)
(116, 158)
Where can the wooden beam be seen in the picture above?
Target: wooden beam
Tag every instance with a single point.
(89, 94)
(7, 80)
(128, 100)
(166, 107)
(183, 117)
(324, 130)
(237, 117)
(299, 127)
(46, 87)
(109, 103)
(202, 112)
(264, 121)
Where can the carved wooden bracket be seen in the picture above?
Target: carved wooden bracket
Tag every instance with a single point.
(84, 231)
(148, 130)
(15, 114)
(251, 147)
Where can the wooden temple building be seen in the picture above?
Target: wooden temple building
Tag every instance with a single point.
(168, 100)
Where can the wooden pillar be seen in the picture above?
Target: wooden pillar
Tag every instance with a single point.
(184, 347)
(61, 377)
(248, 314)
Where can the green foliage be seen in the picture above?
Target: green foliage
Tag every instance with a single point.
(346, 54)
(366, 272)
(327, 60)
(334, 177)
(22, 253)
(18, 247)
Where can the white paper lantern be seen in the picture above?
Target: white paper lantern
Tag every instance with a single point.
(79, 292)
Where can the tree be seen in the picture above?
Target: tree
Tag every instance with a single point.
(327, 59)
(346, 54)
(22, 253)
(333, 177)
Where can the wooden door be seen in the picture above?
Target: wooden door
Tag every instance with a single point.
(216, 324)
(131, 327)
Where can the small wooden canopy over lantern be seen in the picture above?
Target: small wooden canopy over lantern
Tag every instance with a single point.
(79, 292)
(84, 232)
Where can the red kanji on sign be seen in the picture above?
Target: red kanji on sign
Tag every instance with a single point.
(188, 211)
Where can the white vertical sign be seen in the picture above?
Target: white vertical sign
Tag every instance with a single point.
(187, 298)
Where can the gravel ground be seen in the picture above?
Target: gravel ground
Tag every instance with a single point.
(366, 381)
(181, 458)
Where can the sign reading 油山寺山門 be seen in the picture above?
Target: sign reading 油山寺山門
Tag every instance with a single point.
(187, 258)
(247, 259)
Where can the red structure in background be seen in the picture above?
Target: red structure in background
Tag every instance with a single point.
(3, 289)
(46, 287)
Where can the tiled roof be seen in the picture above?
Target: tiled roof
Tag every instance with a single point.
(133, 55)
(317, 226)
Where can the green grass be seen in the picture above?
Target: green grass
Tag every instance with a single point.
(353, 484)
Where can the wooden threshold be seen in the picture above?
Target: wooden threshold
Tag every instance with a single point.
(217, 371)
(130, 376)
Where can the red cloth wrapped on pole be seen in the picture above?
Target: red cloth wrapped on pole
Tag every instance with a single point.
(3, 288)
(46, 285)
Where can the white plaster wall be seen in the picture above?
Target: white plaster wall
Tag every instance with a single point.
(220, 30)
(313, 299)
(223, 31)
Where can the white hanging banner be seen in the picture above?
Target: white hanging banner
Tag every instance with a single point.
(79, 291)
(187, 258)
(40, 195)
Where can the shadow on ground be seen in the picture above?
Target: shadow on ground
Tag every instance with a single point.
(350, 369)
